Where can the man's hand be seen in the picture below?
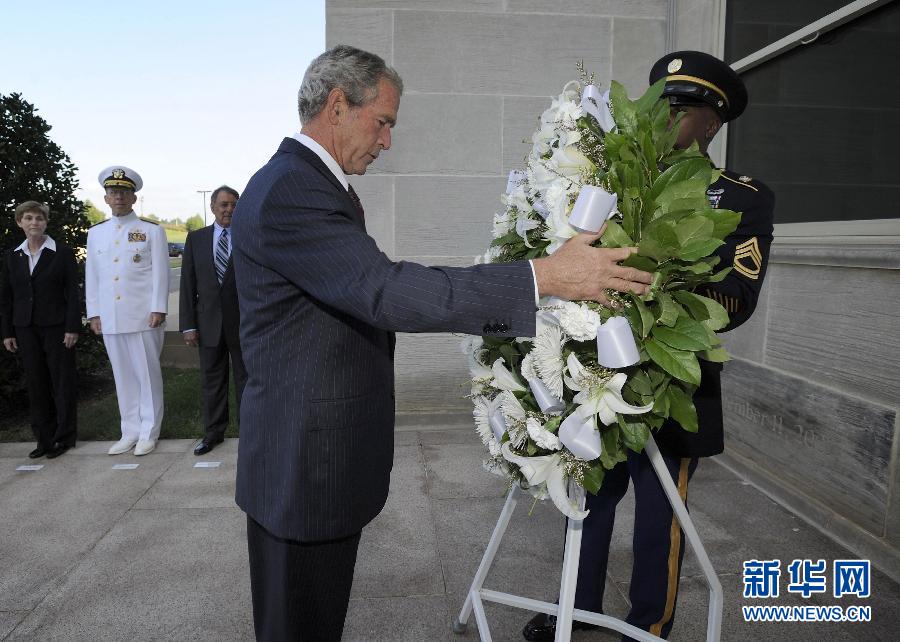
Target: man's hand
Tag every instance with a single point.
(10, 344)
(579, 272)
(157, 319)
(70, 339)
(96, 326)
(192, 338)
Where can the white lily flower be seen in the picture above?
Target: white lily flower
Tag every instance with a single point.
(504, 379)
(600, 397)
(524, 224)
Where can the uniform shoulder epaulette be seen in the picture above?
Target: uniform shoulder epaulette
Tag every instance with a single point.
(106, 220)
(740, 179)
(147, 220)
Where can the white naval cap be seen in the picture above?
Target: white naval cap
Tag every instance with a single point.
(120, 176)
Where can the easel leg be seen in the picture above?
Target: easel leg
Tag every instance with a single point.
(459, 625)
(570, 569)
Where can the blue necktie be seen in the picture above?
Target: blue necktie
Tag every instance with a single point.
(221, 258)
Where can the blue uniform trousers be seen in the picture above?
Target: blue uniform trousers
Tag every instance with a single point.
(658, 542)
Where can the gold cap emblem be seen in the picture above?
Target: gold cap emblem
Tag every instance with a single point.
(118, 173)
(674, 65)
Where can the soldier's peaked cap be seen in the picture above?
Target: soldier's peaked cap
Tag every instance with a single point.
(120, 176)
(697, 77)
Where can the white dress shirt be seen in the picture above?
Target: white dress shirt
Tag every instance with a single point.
(33, 259)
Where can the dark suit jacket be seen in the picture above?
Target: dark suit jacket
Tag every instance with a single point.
(746, 251)
(203, 303)
(47, 297)
(319, 303)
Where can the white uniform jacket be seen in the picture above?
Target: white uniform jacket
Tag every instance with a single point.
(127, 273)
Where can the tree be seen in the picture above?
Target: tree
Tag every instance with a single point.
(93, 214)
(194, 223)
(33, 167)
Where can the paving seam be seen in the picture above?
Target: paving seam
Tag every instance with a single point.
(62, 578)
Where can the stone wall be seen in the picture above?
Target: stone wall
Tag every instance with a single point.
(477, 75)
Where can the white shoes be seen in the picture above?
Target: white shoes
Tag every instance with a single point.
(122, 446)
(144, 446)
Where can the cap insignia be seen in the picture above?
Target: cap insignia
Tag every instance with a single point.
(118, 174)
(674, 65)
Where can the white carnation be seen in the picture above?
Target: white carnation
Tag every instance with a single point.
(540, 436)
(578, 321)
(527, 367)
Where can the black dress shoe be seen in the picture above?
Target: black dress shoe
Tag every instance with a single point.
(206, 446)
(542, 628)
(57, 450)
(40, 451)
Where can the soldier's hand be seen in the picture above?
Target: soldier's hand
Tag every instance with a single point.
(70, 339)
(157, 319)
(192, 338)
(96, 326)
(579, 272)
(11, 344)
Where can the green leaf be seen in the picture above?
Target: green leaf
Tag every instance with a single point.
(615, 236)
(686, 334)
(694, 228)
(646, 316)
(716, 315)
(682, 408)
(659, 242)
(623, 109)
(718, 276)
(634, 434)
(651, 97)
(724, 221)
(552, 424)
(698, 249)
(639, 382)
(717, 355)
(678, 363)
(643, 263)
(510, 355)
(593, 479)
(669, 309)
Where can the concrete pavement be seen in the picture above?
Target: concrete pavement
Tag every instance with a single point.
(158, 552)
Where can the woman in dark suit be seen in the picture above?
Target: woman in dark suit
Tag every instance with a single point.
(41, 317)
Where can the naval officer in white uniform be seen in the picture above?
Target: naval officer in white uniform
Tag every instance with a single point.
(127, 292)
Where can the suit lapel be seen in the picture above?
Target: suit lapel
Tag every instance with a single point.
(45, 259)
(293, 146)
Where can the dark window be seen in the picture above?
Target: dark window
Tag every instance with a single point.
(823, 125)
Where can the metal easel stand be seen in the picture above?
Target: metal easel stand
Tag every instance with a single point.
(565, 611)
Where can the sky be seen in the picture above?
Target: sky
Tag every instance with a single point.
(191, 94)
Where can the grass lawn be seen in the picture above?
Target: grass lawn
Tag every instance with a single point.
(98, 416)
(175, 236)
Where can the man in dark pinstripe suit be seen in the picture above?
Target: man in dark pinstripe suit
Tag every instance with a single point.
(319, 306)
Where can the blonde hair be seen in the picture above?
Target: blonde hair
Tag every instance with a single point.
(31, 206)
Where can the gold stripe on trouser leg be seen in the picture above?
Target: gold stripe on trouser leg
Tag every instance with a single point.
(674, 550)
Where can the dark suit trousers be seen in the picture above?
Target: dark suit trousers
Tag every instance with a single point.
(658, 543)
(50, 377)
(300, 590)
(214, 381)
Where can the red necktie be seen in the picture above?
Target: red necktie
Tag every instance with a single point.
(357, 202)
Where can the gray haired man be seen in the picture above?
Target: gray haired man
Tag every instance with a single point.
(319, 307)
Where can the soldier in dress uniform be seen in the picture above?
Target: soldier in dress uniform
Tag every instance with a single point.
(127, 292)
(708, 93)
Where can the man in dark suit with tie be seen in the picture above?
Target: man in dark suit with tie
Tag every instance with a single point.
(319, 305)
(208, 315)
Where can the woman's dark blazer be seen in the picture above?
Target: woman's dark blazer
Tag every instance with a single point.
(47, 297)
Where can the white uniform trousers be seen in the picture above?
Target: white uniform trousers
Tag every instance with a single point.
(139, 387)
